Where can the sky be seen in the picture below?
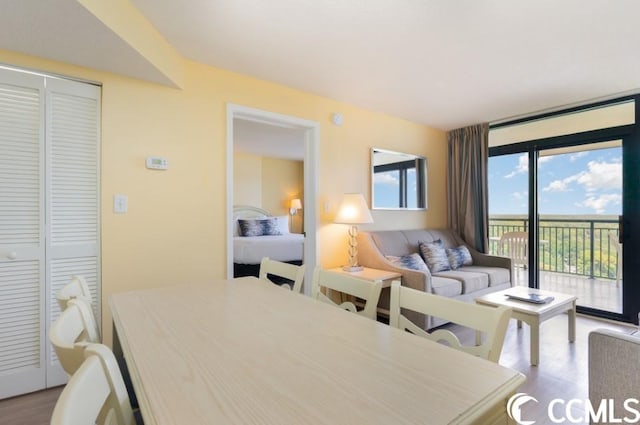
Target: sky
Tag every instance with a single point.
(580, 183)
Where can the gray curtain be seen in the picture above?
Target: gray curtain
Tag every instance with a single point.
(467, 185)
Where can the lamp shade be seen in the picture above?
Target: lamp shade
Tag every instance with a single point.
(296, 204)
(353, 210)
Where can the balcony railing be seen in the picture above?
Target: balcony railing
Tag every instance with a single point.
(577, 245)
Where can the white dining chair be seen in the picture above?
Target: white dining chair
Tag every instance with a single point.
(285, 270)
(368, 291)
(515, 246)
(615, 243)
(491, 322)
(95, 394)
(71, 332)
(76, 288)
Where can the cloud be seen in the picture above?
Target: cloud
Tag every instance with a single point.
(577, 156)
(523, 164)
(600, 203)
(519, 195)
(385, 178)
(600, 175)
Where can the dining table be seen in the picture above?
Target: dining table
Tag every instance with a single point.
(245, 351)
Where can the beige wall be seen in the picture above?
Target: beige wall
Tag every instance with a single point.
(175, 229)
(247, 179)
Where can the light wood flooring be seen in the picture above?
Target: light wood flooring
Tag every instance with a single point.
(562, 372)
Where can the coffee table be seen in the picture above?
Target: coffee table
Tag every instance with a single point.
(534, 314)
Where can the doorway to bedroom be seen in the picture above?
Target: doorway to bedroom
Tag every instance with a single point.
(271, 172)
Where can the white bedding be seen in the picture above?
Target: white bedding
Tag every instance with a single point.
(251, 249)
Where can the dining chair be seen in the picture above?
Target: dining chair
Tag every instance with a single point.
(70, 334)
(95, 394)
(515, 246)
(491, 322)
(368, 291)
(76, 288)
(614, 241)
(283, 270)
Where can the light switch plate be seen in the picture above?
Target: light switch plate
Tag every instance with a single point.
(120, 203)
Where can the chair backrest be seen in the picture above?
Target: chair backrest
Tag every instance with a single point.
(288, 271)
(76, 288)
(72, 328)
(366, 290)
(490, 321)
(95, 394)
(514, 245)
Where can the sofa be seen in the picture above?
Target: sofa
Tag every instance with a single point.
(614, 368)
(485, 274)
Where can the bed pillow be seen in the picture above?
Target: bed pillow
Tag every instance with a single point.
(259, 227)
(435, 256)
(283, 224)
(459, 257)
(236, 224)
(411, 261)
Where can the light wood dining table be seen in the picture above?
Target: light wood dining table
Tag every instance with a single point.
(244, 351)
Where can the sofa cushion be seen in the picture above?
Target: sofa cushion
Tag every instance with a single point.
(471, 281)
(445, 287)
(459, 256)
(497, 275)
(412, 261)
(435, 256)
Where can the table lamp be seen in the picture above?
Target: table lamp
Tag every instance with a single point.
(353, 210)
(296, 205)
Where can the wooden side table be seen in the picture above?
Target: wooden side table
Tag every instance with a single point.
(373, 275)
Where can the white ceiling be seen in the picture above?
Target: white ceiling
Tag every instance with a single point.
(268, 140)
(446, 64)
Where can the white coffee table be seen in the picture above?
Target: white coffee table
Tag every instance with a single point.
(534, 314)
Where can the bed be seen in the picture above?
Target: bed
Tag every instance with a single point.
(276, 242)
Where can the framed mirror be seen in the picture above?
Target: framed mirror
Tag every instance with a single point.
(398, 180)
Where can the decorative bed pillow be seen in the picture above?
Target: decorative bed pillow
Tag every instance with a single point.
(411, 261)
(259, 227)
(283, 224)
(459, 257)
(435, 256)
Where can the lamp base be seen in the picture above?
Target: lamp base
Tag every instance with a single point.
(352, 269)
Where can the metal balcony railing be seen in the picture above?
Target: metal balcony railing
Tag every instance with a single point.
(577, 245)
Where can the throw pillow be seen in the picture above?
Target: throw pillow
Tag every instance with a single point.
(259, 227)
(435, 256)
(411, 261)
(459, 257)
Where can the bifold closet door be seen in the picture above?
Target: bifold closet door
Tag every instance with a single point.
(49, 216)
(72, 135)
(22, 234)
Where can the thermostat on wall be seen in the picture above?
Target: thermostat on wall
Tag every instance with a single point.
(157, 163)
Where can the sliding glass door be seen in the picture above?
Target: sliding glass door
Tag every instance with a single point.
(576, 198)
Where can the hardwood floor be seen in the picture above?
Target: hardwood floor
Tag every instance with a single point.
(30, 409)
(562, 372)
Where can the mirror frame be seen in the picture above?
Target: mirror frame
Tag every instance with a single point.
(421, 164)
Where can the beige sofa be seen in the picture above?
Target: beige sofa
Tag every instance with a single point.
(486, 274)
(614, 368)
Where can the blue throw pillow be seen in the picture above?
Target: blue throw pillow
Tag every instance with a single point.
(259, 227)
(411, 261)
(435, 256)
(459, 257)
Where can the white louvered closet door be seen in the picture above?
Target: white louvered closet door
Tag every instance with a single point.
(22, 237)
(49, 217)
(72, 197)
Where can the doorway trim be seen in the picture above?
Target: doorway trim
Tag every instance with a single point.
(311, 149)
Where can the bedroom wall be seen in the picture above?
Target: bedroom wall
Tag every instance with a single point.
(282, 180)
(247, 179)
(175, 230)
